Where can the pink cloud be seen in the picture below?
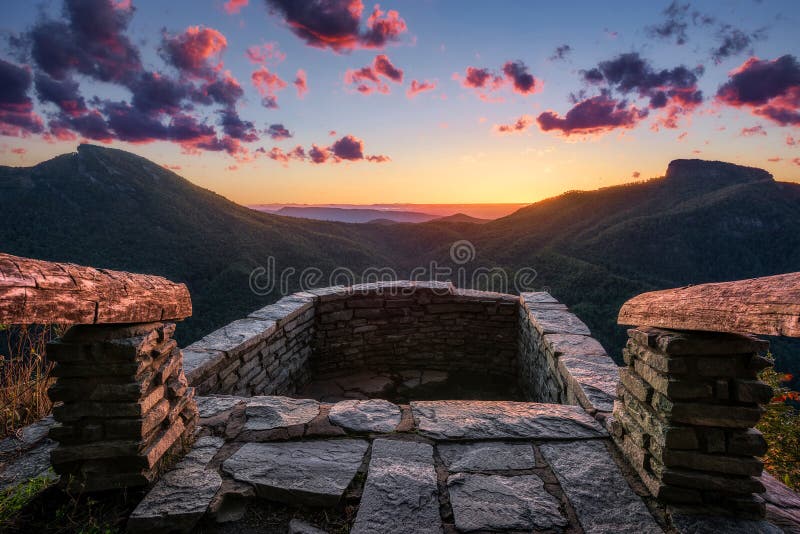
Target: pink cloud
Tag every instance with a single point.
(268, 84)
(417, 87)
(196, 52)
(265, 53)
(373, 78)
(520, 125)
(768, 89)
(753, 130)
(485, 82)
(301, 83)
(593, 116)
(232, 7)
(348, 148)
(336, 24)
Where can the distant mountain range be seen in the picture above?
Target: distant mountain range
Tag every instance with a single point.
(352, 215)
(702, 222)
(367, 215)
(483, 211)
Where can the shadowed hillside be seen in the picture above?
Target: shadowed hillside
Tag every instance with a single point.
(702, 222)
(109, 208)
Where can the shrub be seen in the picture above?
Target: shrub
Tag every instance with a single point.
(781, 428)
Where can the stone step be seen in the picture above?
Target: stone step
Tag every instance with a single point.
(401, 493)
(502, 503)
(315, 473)
(180, 498)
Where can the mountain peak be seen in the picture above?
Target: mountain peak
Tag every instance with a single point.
(713, 173)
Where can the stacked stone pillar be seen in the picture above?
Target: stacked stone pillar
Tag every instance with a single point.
(687, 404)
(122, 404)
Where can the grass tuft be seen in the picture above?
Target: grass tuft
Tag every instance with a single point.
(24, 376)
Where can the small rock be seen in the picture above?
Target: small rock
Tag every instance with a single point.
(230, 503)
(374, 415)
(433, 377)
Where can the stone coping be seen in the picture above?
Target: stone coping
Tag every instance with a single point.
(588, 374)
(44, 292)
(769, 305)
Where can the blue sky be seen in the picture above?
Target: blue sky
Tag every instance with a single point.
(442, 145)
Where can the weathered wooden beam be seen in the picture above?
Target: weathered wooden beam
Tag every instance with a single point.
(767, 306)
(42, 292)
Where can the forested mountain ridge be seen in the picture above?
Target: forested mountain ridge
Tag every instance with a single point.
(702, 222)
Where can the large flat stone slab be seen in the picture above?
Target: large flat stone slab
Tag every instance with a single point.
(374, 415)
(494, 502)
(306, 472)
(594, 485)
(400, 494)
(266, 413)
(181, 497)
(454, 420)
(486, 456)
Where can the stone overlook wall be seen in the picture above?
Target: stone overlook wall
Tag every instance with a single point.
(559, 362)
(531, 340)
(266, 353)
(430, 326)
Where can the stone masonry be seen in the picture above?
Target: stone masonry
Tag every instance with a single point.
(687, 405)
(266, 353)
(421, 326)
(531, 341)
(559, 361)
(122, 404)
